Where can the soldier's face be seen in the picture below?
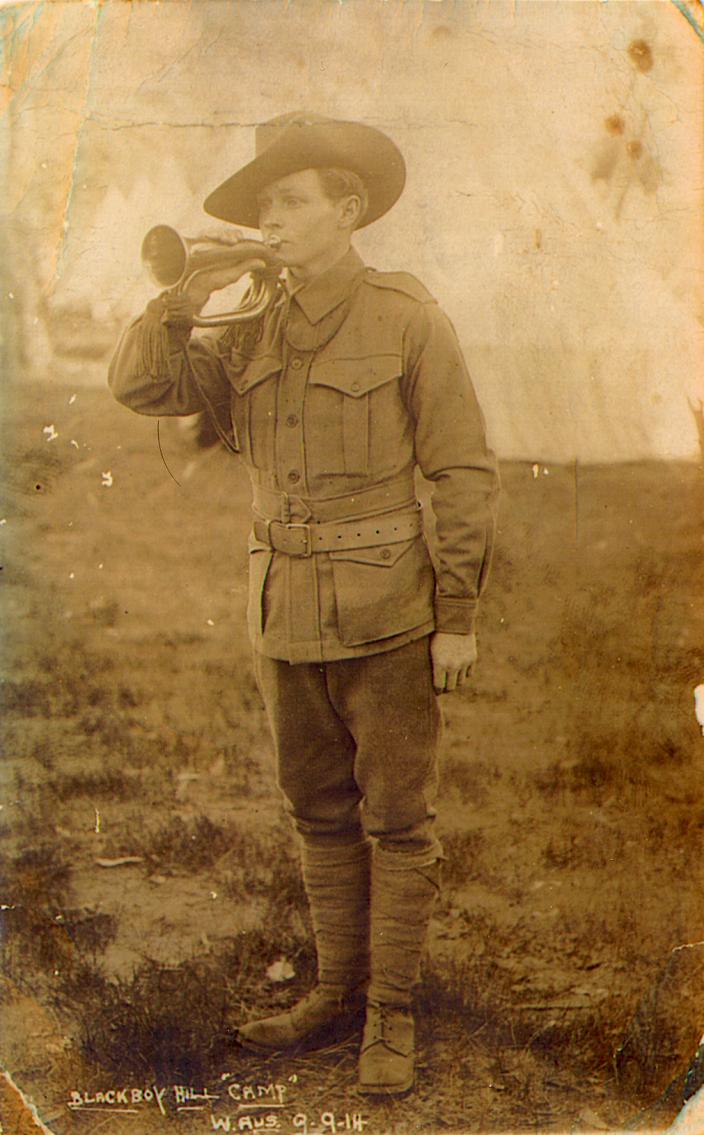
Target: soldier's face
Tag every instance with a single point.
(311, 227)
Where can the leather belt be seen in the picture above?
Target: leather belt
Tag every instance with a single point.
(393, 494)
(307, 539)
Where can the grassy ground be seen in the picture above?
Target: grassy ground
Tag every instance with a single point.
(150, 880)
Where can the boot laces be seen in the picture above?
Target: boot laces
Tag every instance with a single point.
(384, 1021)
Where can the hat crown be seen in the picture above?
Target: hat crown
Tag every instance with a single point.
(267, 134)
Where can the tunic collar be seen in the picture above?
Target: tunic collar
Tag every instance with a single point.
(323, 293)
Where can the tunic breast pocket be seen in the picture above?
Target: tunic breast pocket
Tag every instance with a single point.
(254, 408)
(341, 407)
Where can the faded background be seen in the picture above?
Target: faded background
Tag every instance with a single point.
(554, 173)
(150, 892)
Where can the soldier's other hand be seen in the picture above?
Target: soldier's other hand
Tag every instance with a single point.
(178, 309)
(453, 656)
(214, 279)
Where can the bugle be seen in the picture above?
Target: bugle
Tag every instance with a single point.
(174, 262)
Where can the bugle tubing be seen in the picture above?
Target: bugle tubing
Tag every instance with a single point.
(175, 261)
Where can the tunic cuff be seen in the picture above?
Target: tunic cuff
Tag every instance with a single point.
(455, 616)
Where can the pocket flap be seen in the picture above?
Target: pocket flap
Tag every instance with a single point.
(356, 377)
(257, 370)
(386, 555)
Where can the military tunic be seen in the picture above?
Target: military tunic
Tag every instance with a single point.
(355, 379)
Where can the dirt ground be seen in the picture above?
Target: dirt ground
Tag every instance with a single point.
(150, 887)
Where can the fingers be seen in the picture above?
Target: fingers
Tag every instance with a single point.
(200, 288)
(439, 676)
(253, 266)
(229, 236)
(178, 309)
(453, 656)
(446, 680)
(457, 678)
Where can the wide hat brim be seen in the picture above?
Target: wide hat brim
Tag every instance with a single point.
(307, 143)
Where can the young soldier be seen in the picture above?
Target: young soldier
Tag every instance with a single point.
(350, 380)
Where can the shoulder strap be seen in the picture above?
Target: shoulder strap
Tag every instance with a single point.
(399, 282)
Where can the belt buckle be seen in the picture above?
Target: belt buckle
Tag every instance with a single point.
(305, 529)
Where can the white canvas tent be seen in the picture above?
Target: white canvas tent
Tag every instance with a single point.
(554, 156)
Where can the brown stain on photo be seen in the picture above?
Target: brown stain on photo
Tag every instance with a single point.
(611, 152)
(641, 54)
(614, 124)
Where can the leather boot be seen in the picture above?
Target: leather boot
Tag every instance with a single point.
(317, 1019)
(336, 881)
(387, 1056)
(404, 890)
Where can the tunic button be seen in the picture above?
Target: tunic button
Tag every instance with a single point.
(354, 386)
(292, 420)
(294, 477)
(385, 553)
(296, 363)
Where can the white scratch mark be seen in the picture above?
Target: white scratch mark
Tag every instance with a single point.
(3, 521)
(72, 399)
(699, 705)
(546, 472)
(11, 295)
(123, 861)
(213, 894)
(107, 480)
(71, 575)
(50, 432)
(535, 471)
(74, 443)
(100, 567)
(210, 622)
(97, 822)
(280, 970)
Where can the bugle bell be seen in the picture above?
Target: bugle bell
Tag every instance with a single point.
(175, 261)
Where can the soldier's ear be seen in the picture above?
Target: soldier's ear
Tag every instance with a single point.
(350, 211)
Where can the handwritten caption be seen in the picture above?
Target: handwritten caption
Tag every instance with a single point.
(261, 1107)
